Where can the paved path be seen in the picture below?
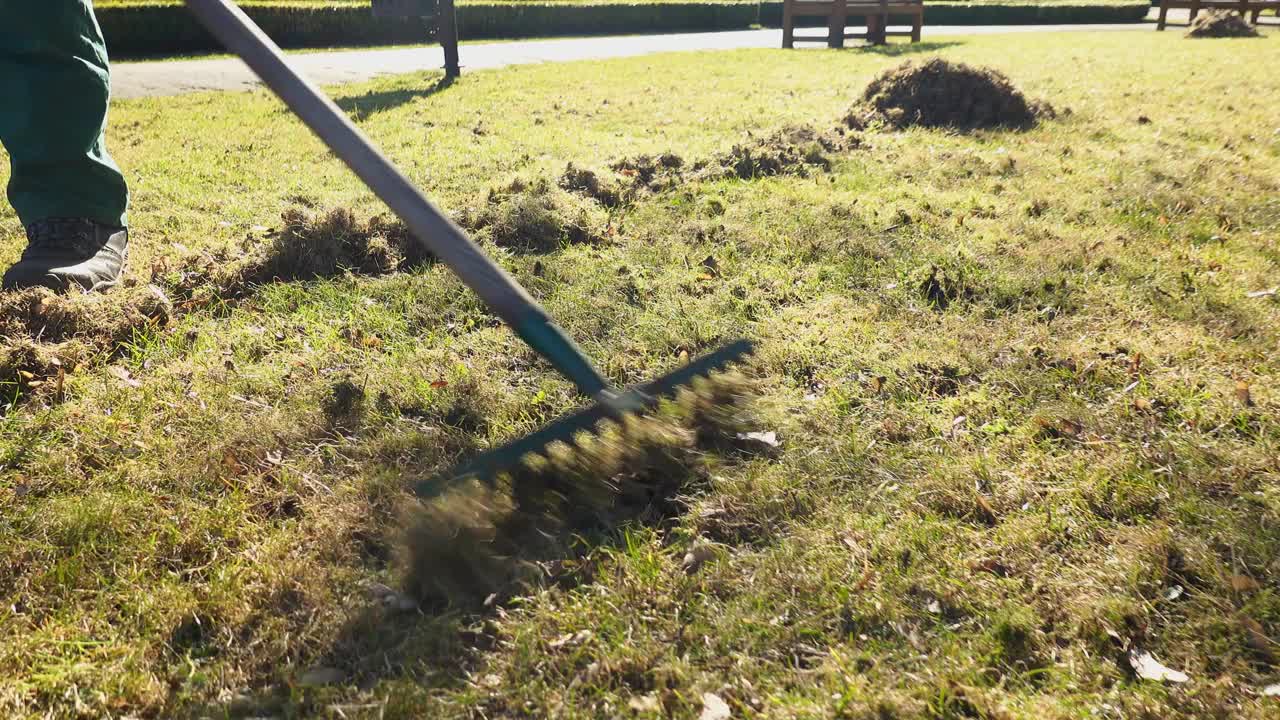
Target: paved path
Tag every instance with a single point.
(142, 79)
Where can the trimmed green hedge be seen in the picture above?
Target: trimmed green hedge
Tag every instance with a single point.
(146, 30)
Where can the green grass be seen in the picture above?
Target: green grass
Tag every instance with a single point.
(976, 509)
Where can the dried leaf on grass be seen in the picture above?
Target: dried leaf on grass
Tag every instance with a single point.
(697, 556)
(1244, 583)
(320, 676)
(714, 708)
(644, 704)
(764, 438)
(1243, 394)
(1148, 667)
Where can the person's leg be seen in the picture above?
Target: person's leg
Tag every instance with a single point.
(54, 85)
(66, 189)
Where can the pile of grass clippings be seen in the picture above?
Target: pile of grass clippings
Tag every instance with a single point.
(45, 335)
(1220, 24)
(535, 216)
(311, 245)
(46, 316)
(939, 93)
(791, 150)
(307, 246)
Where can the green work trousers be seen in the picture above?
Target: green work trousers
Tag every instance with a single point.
(54, 89)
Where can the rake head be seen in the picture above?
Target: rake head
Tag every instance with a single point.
(613, 406)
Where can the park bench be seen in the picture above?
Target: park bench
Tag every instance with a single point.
(1248, 9)
(875, 14)
(440, 19)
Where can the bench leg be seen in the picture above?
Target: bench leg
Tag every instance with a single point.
(788, 29)
(1160, 21)
(835, 30)
(916, 24)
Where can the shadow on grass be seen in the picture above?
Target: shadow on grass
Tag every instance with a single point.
(370, 103)
(433, 647)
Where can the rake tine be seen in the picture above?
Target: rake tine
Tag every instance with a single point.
(639, 398)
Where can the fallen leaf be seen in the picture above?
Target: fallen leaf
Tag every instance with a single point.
(1270, 292)
(1255, 635)
(991, 565)
(1244, 583)
(571, 640)
(644, 703)
(1271, 690)
(1148, 668)
(124, 376)
(765, 438)
(868, 574)
(985, 509)
(316, 677)
(378, 591)
(1173, 593)
(713, 708)
(437, 384)
(697, 556)
(391, 599)
(1243, 394)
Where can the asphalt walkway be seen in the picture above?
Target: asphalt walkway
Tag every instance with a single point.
(174, 77)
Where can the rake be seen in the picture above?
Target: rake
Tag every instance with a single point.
(450, 244)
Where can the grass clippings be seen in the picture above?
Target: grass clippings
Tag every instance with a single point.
(793, 149)
(939, 93)
(535, 216)
(1220, 24)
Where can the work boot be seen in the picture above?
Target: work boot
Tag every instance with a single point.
(65, 252)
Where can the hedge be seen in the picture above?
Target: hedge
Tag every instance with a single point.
(148, 30)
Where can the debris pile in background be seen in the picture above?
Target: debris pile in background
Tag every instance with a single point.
(1220, 24)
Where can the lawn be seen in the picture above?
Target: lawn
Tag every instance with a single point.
(1024, 386)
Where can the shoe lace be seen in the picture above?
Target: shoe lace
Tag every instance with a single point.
(57, 234)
